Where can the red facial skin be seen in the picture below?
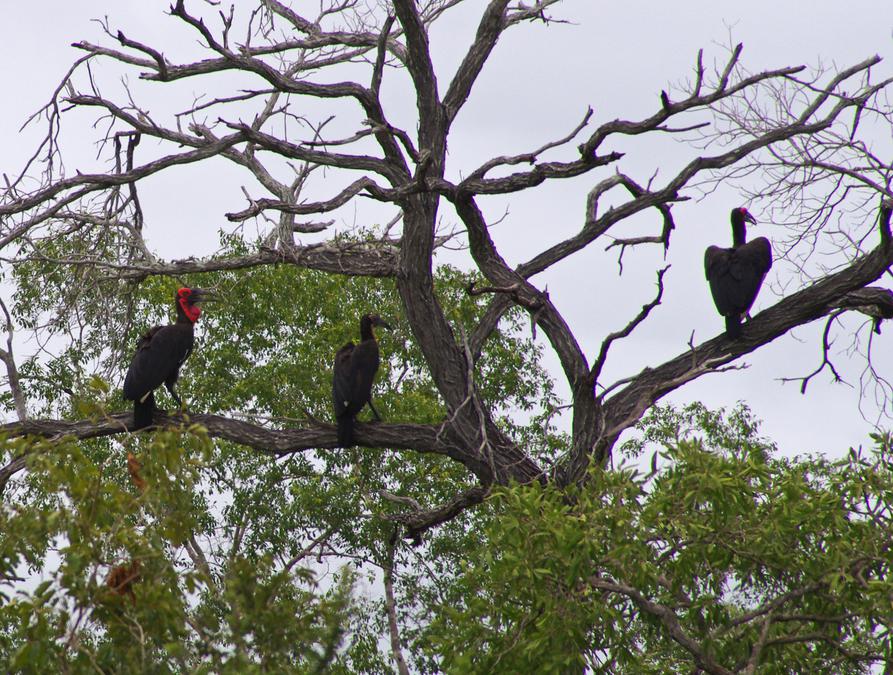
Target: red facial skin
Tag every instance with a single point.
(191, 311)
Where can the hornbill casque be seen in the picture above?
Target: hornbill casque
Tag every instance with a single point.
(736, 274)
(159, 354)
(352, 375)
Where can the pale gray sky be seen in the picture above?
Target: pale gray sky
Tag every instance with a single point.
(615, 57)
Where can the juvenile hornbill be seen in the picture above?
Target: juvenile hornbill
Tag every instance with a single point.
(159, 354)
(736, 274)
(352, 375)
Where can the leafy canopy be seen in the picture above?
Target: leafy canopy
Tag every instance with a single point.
(739, 545)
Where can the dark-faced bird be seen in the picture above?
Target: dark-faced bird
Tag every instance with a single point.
(352, 376)
(159, 355)
(736, 274)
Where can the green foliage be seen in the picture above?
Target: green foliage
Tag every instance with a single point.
(249, 562)
(235, 617)
(721, 534)
(221, 530)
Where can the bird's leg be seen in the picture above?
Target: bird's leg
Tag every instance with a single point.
(374, 411)
(174, 395)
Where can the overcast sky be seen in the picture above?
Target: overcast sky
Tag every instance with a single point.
(614, 57)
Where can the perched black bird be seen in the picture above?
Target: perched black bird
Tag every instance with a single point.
(735, 274)
(352, 375)
(159, 355)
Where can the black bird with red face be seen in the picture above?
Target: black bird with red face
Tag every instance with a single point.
(736, 274)
(159, 354)
(352, 376)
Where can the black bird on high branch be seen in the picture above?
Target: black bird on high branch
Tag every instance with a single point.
(352, 376)
(736, 274)
(160, 353)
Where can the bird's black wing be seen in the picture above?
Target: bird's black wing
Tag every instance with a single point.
(363, 366)
(717, 262)
(341, 379)
(185, 341)
(136, 378)
(762, 253)
(748, 267)
(736, 274)
(159, 353)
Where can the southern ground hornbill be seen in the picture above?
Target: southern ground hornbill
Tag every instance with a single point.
(159, 355)
(736, 274)
(352, 375)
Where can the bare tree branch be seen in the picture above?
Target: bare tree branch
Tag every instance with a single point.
(529, 157)
(92, 182)
(826, 361)
(391, 605)
(427, 439)
(372, 259)
(499, 273)
(490, 28)
(630, 327)
(626, 406)
(348, 193)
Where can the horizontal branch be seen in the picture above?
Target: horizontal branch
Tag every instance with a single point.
(873, 301)
(421, 438)
(368, 259)
(355, 44)
(260, 205)
(522, 180)
(306, 154)
(529, 157)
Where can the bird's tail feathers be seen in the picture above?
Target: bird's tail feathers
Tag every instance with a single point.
(345, 431)
(733, 326)
(143, 411)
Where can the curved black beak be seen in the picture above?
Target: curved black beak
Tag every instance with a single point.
(378, 321)
(749, 218)
(203, 295)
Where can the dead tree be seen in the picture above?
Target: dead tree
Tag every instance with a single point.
(405, 171)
